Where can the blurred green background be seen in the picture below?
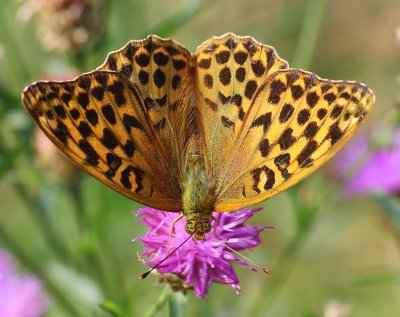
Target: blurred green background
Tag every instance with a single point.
(75, 233)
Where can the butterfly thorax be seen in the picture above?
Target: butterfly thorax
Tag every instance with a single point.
(197, 198)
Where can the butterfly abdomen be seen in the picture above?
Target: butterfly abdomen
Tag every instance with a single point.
(197, 197)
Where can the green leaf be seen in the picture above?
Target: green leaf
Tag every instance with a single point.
(112, 308)
(177, 302)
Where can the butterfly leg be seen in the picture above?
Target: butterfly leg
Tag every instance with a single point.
(216, 220)
(173, 228)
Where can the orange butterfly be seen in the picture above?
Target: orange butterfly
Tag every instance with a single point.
(225, 128)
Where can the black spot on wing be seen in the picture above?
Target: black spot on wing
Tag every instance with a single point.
(159, 125)
(61, 132)
(92, 117)
(159, 78)
(178, 64)
(114, 162)
(306, 152)
(208, 81)
(75, 114)
(160, 58)
(240, 57)
(143, 77)
(264, 121)
(334, 133)
(227, 122)
(117, 89)
(98, 93)
(258, 68)
(250, 89)
(108, 139)
(312, 99)
(92, 158)
(131, 122)
(84, 129)
(240, 74)
(211, 104)
(129, 148)
(264, 147)
(83, 99)
(109, 114)
(60, 111)
(321, 113)
(142, 59)
(311, 130)
(176, 81)
(286, 140)
(303, 116)
(225, 76)
(277, 87)
(286, 113)
(126, 181)
(162, 101)
(222, 57)
(270, 178)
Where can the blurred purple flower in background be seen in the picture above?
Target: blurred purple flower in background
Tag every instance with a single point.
(367, 170)
(20, 296)
(199, 262)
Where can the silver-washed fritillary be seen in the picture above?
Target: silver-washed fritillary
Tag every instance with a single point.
(225, 128)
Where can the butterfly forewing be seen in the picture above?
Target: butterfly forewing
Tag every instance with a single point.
(298, 122)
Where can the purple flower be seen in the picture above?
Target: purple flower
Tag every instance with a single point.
(20, 296)
(199, 262)
(371, 170)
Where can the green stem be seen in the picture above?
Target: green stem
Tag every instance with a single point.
(75, 190)
(176, 303)
(159, 303)
(52, 288)
(309, 34)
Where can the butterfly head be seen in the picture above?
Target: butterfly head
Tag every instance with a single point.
(198, 224)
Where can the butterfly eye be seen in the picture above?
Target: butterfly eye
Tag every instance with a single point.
(207, 227)
(189, 227)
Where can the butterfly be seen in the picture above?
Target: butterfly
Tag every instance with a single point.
(227, 127)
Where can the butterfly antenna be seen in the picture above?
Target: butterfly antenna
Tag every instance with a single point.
(144, 275)
(247, 260)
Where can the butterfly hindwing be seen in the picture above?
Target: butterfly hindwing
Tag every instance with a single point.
(161, 71)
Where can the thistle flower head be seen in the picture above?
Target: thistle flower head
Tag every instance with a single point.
(371, 169)
(20, 296)
(199, 263)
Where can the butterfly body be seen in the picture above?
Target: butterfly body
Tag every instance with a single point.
(219, 130)
(197, 197)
